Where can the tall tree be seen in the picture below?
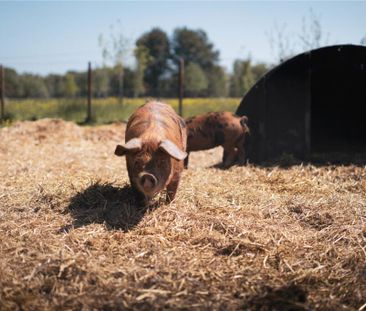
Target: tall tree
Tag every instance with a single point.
(195, 47)
(34, 86)
(217, 82)
(157, 45)
(285, 45)
(101, 82)
(259, 70)
(114, 81)
(81, 81)
(70, 87)
(115, 48)
(142, 59)
(55, 85)
(242, 78)
(13, 83)
(195, 81)
(281, 42)
(312, 35)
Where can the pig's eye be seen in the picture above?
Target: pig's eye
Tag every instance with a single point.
(163, 160)
(138, 166)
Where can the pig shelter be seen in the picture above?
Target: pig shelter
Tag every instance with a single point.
(313, 102)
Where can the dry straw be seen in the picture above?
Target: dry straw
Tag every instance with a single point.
(252, 238)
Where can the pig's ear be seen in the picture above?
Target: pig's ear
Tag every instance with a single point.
(132, 145)
(171, 149)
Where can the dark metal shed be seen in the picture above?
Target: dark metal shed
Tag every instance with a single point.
(313, 102)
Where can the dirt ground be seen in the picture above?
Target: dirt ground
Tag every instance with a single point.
(251, 238)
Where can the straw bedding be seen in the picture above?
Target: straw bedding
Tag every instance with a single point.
(253, 238)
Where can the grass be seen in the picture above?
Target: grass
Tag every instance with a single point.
(106, 110)
(73, 237)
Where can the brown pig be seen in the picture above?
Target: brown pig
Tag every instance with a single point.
(155, 146)
(214, 129)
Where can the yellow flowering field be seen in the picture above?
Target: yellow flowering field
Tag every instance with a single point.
(106, 110)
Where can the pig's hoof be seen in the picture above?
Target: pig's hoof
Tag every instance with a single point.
(169, 199)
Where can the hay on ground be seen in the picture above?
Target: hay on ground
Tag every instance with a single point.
(73, 237)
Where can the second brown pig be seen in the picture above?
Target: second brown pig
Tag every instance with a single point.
(214, 129)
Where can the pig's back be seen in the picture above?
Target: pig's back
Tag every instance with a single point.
(158, 120)
(212, 129)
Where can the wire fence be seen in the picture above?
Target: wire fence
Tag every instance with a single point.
(87, 109)
(80, 110)
(104, 110)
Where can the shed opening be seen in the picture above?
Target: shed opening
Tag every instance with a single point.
(338, 100)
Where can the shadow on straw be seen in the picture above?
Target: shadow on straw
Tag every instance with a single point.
(118, 208)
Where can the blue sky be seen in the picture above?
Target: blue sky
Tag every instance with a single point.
(53, 37)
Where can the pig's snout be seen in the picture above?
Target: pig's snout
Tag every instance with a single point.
(148, 182)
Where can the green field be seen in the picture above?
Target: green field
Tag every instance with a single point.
(105, 110)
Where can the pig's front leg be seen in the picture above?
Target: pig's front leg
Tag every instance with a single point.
(142, 200)
(186, 160)
(229, 156)
(172, 188)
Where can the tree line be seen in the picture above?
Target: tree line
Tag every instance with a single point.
(155, 72)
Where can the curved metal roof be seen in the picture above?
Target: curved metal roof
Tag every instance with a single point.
(291, 108)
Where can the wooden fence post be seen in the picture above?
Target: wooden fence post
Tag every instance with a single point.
(89, 108)
(2, 95)
(181, 86)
